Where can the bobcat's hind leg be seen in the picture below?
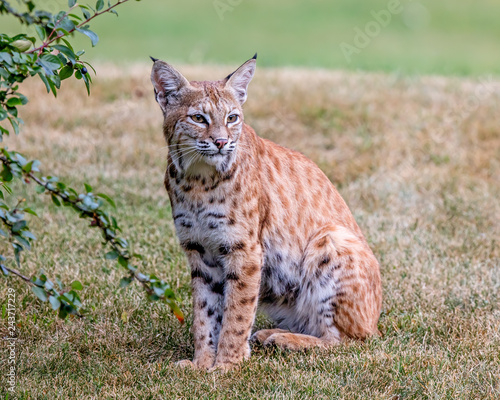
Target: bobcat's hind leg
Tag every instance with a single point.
(299, 341)
(342, 278)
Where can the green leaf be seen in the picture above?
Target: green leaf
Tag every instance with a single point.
(55, 200)
(49, 285)
(62, 312)
(6, 175)
(158, 291)
(71, 3)
(85, 13)
(176, 310)
(77, 285)
(4, 270)
(28, 235)
(68, 52)
(107, 198)
(88, 188)
(50, 62)
(54, 302)
(40, 31)
(65, 72)
(30, 211)
(142, 277)
(40, 293)
(18, 226)
(6, 58)
(123, 261)
(93, 37)
(40, 189)
(124, 282)
(44, 80)
(23, 241)
(14, 101)
(112, 255)
(99, 5)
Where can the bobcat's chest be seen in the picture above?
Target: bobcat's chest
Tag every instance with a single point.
(202, 214)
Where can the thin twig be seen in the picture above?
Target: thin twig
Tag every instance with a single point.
(60, 35)
(15, 272)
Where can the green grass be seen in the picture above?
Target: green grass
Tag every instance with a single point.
(418, 166)
(447, 37)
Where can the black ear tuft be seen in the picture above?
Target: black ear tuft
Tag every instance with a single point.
(254, 57)
(155, 59)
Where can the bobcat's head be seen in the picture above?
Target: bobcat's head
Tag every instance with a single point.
(203, 120)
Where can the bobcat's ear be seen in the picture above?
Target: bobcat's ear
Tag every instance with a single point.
(167, 82)
(238, 81)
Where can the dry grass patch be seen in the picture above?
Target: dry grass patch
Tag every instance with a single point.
(418, 162)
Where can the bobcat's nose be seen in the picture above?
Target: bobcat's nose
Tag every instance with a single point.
(220, 142)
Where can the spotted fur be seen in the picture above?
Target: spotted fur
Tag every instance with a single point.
(260, 224)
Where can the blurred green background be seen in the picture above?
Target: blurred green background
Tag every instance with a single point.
(451, 37)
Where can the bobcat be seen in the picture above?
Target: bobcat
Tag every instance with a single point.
(260, 225)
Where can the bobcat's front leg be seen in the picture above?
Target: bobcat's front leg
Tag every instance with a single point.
(208, 303)
(243, 270)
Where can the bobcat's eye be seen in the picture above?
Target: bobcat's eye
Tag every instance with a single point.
(232, 118)
(200, 119)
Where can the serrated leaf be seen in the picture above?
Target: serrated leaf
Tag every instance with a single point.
(40, 293)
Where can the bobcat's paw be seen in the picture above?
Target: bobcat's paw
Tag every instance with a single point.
(222, 368)
(297, 341)
(282, 341)
(262, 335)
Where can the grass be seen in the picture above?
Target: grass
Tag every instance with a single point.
(428, 37)
(417, 160)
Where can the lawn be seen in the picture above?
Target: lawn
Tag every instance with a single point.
(423, 37)
(418, 162)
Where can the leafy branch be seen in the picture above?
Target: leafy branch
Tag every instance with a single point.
(53, 61)
(66, 26)
(88, 206)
